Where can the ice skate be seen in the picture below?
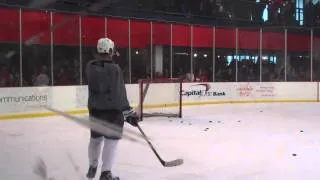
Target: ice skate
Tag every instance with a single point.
(91, 172)
(107, 175)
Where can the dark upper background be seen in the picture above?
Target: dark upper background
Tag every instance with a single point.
(214, 12)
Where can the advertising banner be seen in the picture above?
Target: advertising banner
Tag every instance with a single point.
(254, 91)
(277, 91)
(206, 92)
(29, 99)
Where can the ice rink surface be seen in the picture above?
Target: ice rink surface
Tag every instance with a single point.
(217, 142)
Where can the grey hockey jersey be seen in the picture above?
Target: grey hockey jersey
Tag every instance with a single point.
(106, 86)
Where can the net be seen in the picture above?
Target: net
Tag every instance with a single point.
(161, 98)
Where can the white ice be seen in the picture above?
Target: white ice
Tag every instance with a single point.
(252, 141)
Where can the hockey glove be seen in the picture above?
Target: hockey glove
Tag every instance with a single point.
(131, 117)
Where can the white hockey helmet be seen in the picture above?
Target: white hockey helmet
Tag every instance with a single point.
(105, 46)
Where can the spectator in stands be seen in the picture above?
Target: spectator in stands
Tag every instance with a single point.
(42, 79)
(5, 76)
(189, 77)
(257, 11)
(317, 10)
(310, 14)
(288, 11)
(202, 76)
(64, 78)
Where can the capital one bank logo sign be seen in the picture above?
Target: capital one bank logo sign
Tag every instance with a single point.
(201, 90)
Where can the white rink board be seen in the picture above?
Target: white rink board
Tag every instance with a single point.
(277, 91)
(163, 94)
(72, 98)
(256, 91)
(318, 95)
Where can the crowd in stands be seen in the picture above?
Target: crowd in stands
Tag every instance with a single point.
(312, 14)
(67, 72)
(278, 12)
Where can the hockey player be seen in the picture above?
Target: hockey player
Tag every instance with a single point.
(108, 102)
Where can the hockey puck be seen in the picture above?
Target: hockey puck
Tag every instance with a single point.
(261, 110)
(210, 121)
(181, 121)
(239, 121)
(219, 121)
(294, 154)
(301, 130)
(206, 129)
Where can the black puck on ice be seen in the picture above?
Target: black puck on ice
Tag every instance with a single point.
(239, 121)
(294, 154)
(301, 130)
(210, 121)
(206, 129)
(219, 121)
(181, 121)
(261, 110)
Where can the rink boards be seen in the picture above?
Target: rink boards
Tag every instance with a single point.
(27, 101)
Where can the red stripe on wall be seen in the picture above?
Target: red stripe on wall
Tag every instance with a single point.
(161, 34)
(225, 38)
(36, 27)
(140, 34)
(298, 43)
(66, 30)
(92, 30)
(273, 41)
(249, 39)
(202, 37)
(181, 35)
(9, 25)
(118, 31)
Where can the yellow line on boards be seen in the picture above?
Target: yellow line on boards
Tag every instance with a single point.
(150, 106)
(37, 115)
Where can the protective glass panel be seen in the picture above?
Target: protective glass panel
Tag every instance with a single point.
(249, 54)
(36, 57)
(273, 54)
(299, 59)
(66, 49)
(9, 45)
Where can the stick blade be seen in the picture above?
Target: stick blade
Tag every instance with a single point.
(173, 163)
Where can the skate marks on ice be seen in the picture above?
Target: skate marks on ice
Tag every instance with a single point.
(41, 170)
(184, 176)
(75, 166)
(10, 134)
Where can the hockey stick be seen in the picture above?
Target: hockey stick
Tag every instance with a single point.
(97, 125)
(173, 163)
